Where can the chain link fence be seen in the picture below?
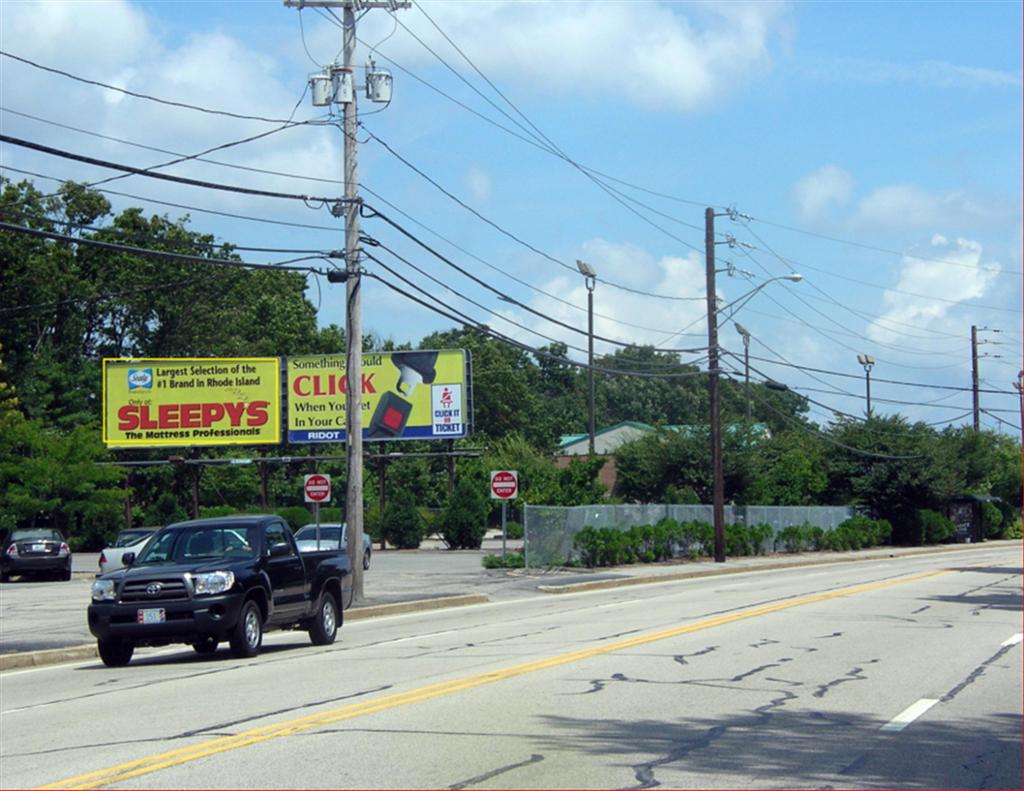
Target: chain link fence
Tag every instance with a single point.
(549, 530)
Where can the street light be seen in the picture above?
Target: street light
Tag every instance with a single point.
(745, 334)
(742, 300)
(868, 362)
(590, 279)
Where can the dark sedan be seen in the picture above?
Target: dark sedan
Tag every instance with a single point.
(35, 551)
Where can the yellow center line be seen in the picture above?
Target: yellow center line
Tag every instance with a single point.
(125, 771)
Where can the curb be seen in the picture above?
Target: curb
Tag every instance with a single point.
(50, 656)
(419, 605)
(77, 653)
(576, 587)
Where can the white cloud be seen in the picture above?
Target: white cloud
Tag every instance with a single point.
(957, 274)
(479, 183)
(910, 206)
(615, 309)
(656, 55)
(817, 191)
(930, 73)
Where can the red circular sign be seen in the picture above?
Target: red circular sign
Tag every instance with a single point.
(504, 484)
(318, 488)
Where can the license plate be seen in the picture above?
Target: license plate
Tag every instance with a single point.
(39, 547)
(151, 616)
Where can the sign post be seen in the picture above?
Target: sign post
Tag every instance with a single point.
(317, 489)
(504, 487)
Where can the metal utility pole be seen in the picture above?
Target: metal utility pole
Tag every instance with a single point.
(718, 479)
(1019, 384)
(868, 362)
(590, 278)
(746, 362)
(353, 307)
(974, 377)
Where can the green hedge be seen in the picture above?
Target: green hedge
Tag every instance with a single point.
(609, 546)
(512, 560)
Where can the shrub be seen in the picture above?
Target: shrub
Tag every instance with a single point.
(295, 515)
(698, 536)
(513, 530)
(1013, 530)
(991, 520)
(935, 528)
(465, 519)
(760, 535)
(214, 511)
(799, 538)
(401, 523)
(512, 560)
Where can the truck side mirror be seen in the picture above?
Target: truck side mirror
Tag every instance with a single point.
(280, 549)
(127, 559)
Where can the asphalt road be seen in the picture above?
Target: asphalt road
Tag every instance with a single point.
(891, 673)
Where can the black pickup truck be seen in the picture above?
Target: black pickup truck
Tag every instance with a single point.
(210, 580)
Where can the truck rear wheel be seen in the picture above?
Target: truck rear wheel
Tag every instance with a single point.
(324, 628)
(115, 653)
(247, 636)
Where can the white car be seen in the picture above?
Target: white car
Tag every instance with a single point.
(305, 538)
(132, 539)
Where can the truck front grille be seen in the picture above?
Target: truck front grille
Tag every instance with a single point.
(167, 589)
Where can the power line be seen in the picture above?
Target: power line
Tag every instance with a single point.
(483, 328)
(163, 240)
(505, 272)
(158, 150)
(162, 176)
(497, 292)
(877, 379)
(249, 218)
(145, 253)
(147, 97)
(500, 294)
(511, 235)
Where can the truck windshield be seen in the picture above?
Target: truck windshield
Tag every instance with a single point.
(208, 542)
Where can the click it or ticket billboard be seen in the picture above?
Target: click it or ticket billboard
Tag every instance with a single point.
(191, 401)
(405, 395)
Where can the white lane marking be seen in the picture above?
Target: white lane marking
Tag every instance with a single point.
(908, 715)
(1012, 641)
(415, 637)
(618, 604)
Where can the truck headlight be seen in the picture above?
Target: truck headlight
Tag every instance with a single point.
(213, 582)
(104, 590)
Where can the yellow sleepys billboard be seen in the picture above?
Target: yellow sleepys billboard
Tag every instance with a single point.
(405, 395)
(191, 401)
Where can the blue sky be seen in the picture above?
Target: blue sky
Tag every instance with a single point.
(877, 147)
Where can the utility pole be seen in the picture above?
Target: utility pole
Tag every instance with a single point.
(590, 280)
(1019, 385)
(974, 377)
(353, 281)
(745, 334)
(718, 481)
(868, 362)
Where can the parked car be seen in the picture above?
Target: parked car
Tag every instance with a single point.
(132, 539)
(213, 580)
(35, 551)
(305, 537)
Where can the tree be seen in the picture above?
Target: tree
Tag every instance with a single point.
(790, 470)
(464, 522)
(401, 523)
(893, 468)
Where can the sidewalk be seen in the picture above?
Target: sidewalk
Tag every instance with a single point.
(398, 581)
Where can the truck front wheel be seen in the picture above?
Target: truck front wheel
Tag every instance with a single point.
(247, 636)
(325, 624)
(115, 653)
